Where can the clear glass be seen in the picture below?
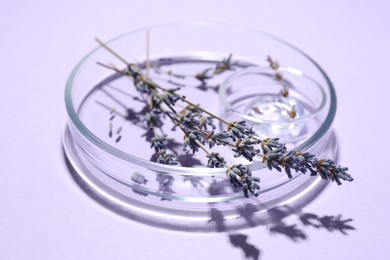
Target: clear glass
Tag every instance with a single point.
(255, 95)
(189, 196)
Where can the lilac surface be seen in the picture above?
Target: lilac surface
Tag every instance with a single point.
(44, 214)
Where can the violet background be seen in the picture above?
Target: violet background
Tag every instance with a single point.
(45, 215)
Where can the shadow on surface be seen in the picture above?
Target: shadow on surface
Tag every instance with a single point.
(240, 241)
(296, 232)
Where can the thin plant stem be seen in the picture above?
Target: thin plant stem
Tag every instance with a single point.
(112, 51)
(202, 147)
(174, 74)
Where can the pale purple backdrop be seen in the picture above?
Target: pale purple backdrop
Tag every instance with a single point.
(45, 215)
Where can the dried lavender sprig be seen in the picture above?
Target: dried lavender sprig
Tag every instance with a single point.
(275, 67)
(274, 157)
(285, 90)
(328, 169)
(277, 157)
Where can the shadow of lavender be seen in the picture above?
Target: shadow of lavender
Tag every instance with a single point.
(296, 232)
(240, 241)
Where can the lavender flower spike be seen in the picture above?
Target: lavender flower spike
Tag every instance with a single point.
(241, 177)
(328, 169)
(151, 118)
(240, 129)
(169, 96)
(271, 143)
(245, 147)
(191, 138)
(341, 173)
(190, 119)
(218, 138)
(215, 161)
(273, 158)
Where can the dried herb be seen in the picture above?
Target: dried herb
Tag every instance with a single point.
(194, 121)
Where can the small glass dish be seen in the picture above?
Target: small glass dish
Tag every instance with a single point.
(105, 140)
(253, 94)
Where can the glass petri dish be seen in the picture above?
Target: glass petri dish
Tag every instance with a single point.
(105, 140)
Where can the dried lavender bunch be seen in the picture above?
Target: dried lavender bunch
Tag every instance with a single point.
(238, 136)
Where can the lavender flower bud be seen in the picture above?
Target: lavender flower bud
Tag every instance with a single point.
(190, 119)
(341, 172)
(273, 158)
(241, 176)
(218, 138)
(204, 75)
(240, 129)
(151, 118)
(226, 64)
(324, 168)
(215, 161)
(245, 147)
(169, 96)
(271, 143)
(191, 138)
